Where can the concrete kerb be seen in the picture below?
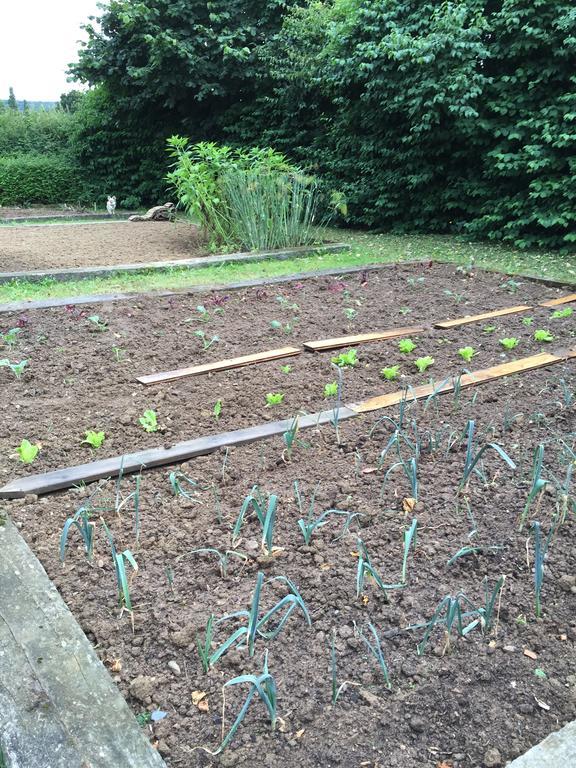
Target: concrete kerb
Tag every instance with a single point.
(84, 273)
(556, 751)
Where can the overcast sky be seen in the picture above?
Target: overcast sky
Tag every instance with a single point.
(38, 39)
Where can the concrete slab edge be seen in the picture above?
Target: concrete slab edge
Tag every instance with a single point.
(558, 750)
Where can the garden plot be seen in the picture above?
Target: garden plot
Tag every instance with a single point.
(101, 244)
(432, 697)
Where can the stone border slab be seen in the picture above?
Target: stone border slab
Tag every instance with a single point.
(199, 262)
(58, 705)
(556, 751)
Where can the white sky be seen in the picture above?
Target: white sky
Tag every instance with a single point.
(38, 39)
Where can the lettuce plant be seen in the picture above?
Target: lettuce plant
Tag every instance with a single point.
(406, 346)
(422, 363)
(149, 421)
(27, 451)
(467, 353)
(274, 398)
(94, 439)
(543, 335)
(510, 342)
(346, 359)
(391, 373)
(330, 390)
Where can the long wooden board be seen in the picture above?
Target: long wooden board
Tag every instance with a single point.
(361, 338)
(485, 316)
(157, 457)
(466, 380)
(562, 300)
(221, 365)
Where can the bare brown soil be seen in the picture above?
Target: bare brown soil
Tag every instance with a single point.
(90, 245)
(475, 701)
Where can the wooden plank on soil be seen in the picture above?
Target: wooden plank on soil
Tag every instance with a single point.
(221, 365)
(485, 316)
(156, 457)
(562, 300)
(361, 338)
(466, 380)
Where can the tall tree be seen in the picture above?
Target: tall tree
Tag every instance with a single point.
(12, 104)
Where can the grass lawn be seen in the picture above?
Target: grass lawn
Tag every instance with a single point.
(366, 248)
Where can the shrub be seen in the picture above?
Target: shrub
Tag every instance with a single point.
(251, 198)
(38, 179)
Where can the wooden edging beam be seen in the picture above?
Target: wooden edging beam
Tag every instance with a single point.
(361, 338)
(466, 380)
(157, 457)
(562, 300)
(485, 316)
(221, 365)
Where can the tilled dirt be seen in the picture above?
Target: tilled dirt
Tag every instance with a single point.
(469, 702)
(25, 248)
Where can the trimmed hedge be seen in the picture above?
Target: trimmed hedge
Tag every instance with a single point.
(37, 179)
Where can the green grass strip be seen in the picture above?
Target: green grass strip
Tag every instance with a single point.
(365, 249)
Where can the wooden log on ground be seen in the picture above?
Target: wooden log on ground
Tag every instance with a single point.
(466, 380)
(361, 338)
(562, 300)
(484, 316)
(156, 457)
(221, 365)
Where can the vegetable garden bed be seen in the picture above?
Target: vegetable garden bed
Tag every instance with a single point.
(465, 701)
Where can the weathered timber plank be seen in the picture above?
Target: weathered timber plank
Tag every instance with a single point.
(562, 300)
(361, 338)
(485, 316)
(58, 704)
(221, 365)
(156, 457)
(466, 380)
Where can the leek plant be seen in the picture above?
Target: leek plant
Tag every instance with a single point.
(120, 559)
(472, 461)
(265, 686)
(81, 521)
(255, 625)
(223, 557)
(365, 565)
(375, 649)
(540, 552)
(266, 517)
(537, 486)
(311, 523)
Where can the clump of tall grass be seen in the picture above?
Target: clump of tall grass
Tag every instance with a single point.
(251, 198)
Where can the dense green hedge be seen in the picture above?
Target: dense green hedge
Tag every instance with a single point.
(38, 179)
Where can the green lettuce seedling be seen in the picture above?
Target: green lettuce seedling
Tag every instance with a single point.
(527, 321)
(467, 353)
(27, 451)
(10, 338)
(391, 373)
(286, 368)
(330, 390)
(274, 398)
(489, 328)
(543, 335)
(422, 363)
(406, 346)
(346, 359)
(97, 323)
(16, 368)
(510, 342)
(94, 439)
(560, 313)
(217, 410)
(149, 421)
